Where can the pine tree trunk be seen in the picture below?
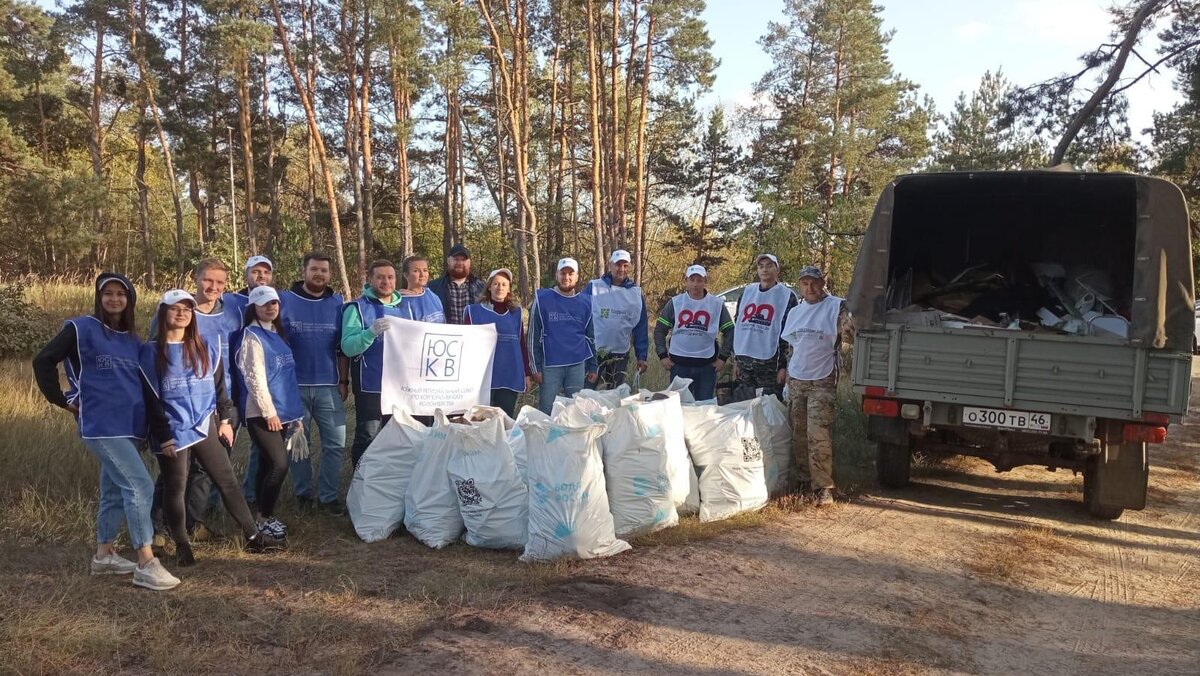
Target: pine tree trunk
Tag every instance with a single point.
(640, 202)
(143, 197)
(274, 231)
(245, 124)
(401, 110)
(594, 112)
(348, 22)
(315, 133)
(96, 143)
(364, 129)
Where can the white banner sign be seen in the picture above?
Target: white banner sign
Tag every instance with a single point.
(431, 366)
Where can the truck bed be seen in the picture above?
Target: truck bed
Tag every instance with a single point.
(1105, 378)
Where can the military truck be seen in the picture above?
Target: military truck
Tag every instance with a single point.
(1027, 318)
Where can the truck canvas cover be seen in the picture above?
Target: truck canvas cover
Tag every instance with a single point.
(1132, 229)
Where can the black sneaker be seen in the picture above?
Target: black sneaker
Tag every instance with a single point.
(183, 554)
(334, 508)
(261, 542)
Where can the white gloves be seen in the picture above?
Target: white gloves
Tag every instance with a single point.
(379, 326)
(297, 443)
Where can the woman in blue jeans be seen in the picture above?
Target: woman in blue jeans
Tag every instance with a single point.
(694, 319)
(562, 344)
(107, 397)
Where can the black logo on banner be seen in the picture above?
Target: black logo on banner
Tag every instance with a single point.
(441, 357)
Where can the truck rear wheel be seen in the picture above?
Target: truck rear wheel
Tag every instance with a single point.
(893, 463)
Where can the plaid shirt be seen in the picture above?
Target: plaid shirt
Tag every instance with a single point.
(460, 298)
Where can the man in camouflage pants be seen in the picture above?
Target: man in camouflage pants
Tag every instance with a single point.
(814, 331)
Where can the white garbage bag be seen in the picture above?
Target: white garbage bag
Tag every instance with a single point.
(773, 428)
(375, 500)
(724, 444)
(568, 500)
(431, 506)
(663, 411)
(637, 473)
(492, 496)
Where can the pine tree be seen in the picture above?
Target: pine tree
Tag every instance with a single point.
(974, 136)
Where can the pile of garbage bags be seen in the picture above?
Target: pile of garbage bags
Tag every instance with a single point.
(603, 467)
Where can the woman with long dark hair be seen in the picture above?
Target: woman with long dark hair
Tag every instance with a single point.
(188, 378)
(510, 366)
(268, 399)
(107, 397)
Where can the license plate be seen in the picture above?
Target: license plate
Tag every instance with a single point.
(1009, 420)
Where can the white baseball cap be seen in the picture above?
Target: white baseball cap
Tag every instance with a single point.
(259, 260)
(177, 296)
(696, 270)
(620, 255)
(770, 257)
(567, 263)
(261, 295)
(500, 271)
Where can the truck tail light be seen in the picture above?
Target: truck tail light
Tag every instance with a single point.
(875, 391)
(1147, 433)
(888, 408)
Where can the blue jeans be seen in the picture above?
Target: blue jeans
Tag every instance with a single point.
(704, 379)
(126, 491)
(322, 404)
(567, 379)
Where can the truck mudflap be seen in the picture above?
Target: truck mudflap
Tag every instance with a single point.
(1118, 477)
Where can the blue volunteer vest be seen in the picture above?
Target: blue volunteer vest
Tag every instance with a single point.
(312, 328)
(281, 375)
(218, 328)
(237, 302)
(370, 362)
(424, 308)
(564, 327)
(508, 365)
(189, 399)
(107, 388)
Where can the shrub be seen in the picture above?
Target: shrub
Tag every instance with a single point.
(24, 327)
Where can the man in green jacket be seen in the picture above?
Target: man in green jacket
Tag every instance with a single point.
(362, 325)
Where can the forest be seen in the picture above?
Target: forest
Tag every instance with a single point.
(141, 135)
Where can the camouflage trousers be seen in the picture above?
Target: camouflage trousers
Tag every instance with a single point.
(754, 374)
(811, 404)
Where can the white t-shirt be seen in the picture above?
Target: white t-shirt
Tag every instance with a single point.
(812, 331)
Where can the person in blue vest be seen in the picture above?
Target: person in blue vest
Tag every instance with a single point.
(561, 339)
(188, 381)
(258, 271)
(216, 322)
(312, 315)
(107, 398)
(420, 303)
(510, 366)
(363, 324)
(619, 315)
(695, 318)
(268, 399)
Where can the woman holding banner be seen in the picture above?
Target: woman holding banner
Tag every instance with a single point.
(510, 366)
(268, 399)
(188, 380)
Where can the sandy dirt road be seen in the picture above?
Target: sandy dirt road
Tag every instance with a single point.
(965, 571)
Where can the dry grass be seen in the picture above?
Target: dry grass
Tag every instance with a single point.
(1020, 553)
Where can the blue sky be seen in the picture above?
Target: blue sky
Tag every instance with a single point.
(946, 46)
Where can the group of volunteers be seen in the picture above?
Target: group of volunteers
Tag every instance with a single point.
(276, 362)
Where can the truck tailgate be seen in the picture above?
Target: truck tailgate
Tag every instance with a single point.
(1022, 370)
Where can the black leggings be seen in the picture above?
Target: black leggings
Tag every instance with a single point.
(272, 464)
(213, 457)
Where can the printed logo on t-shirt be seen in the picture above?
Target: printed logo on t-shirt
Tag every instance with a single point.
(699, 320)
(760, 314)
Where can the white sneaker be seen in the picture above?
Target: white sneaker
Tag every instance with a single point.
(273, 527)
(154, 576)
(112, 565)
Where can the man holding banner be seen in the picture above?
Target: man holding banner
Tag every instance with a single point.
(363, 325)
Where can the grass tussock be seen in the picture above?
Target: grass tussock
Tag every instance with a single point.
(1020, 553)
